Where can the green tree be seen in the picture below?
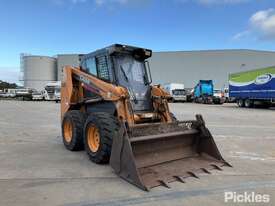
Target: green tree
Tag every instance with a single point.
(7, 85)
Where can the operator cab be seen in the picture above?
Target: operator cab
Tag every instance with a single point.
(125, 66)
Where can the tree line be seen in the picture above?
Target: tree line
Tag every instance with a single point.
(7, 85)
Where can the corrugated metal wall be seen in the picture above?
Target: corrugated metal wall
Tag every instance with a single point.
(186, 67)
(189, 67)
(64, 60)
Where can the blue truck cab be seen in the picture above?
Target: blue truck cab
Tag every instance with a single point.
(203, 92)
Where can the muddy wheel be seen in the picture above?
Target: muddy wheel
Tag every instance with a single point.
(72, 130)
(99, 130)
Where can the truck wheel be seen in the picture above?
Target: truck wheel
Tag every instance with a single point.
(248, 103)
(200, 100)
(240, 103)
(72, 130)
(99, 130)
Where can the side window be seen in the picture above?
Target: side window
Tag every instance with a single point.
(83, 65)
(91, 66)
(102, 67)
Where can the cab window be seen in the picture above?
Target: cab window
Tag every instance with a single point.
(102, 67)
(91, 66)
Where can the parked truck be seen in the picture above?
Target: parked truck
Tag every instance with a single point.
(176, 91)
(253, 88)
(24, 94)
(219, 96)
(52, 91)
(203, 92)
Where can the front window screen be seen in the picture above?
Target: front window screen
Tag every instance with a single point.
(132, 69)
(91, 66)
(179, 92)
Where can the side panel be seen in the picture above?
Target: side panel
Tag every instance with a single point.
(108, 107)
(256, 84)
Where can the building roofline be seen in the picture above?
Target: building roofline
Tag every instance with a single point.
(76, 54)
(214, 50)
(169, 51)
(40, 56)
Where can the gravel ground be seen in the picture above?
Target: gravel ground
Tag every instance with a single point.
(36, 169)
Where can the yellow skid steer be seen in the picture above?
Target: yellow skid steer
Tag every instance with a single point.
(110, 108)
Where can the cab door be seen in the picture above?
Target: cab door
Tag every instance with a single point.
(131, 75)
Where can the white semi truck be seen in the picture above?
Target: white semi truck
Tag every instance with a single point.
(176, 91)
(52, 91)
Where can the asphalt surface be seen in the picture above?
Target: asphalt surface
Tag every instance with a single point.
(36, 169)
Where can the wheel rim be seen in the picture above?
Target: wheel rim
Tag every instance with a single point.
(93, 138)
(68, 131)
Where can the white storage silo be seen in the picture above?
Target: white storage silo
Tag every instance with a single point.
(38, 71)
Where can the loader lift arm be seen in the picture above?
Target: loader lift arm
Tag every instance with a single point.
(77, 80)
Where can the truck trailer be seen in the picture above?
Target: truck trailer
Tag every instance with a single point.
(253, 88)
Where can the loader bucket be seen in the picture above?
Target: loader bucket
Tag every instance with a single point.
(151, 155)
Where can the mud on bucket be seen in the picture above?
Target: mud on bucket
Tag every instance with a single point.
(150, 155)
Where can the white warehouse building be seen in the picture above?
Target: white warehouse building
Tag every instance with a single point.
(189, 67)
(186, 67)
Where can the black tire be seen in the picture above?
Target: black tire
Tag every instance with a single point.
(248, 103)
(77, 119)
(240, 103)
(217, 101)
(108, 127)
(200, 100)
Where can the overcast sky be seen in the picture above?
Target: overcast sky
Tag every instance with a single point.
(49, 27)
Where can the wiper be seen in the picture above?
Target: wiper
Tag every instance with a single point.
(132, 93)
(124, 74)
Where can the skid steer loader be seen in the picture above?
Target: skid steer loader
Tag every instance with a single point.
(110, 108)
